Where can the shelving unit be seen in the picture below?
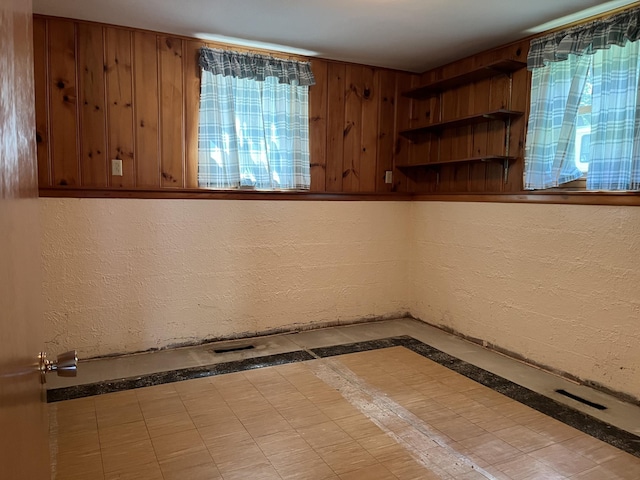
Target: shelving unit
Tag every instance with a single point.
(487, 71)
(503, 159)
(487, 158)
(420, 133)
(423, 133)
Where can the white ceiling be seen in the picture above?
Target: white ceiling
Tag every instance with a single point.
(412, 35)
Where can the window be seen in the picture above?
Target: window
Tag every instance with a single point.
(585, 108)
(254, 122)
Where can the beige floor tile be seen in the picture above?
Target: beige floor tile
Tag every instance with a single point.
(221, 432)
(406, 468)
(263, 471)
(302, 466)
(523, 438)
(119, 414)
(458, 429)
(374, 472)
(178, 444)
(304, 415)
(625, 466)
(203, 407)
(115, 400)
(168, 424)
(188, 461)
(125, 457)
(563, 460)
(382, 447)
(77, 443)
(215, 442)
(78, 465)
(346, 457)
(139, 472)
(114, 435)
(287, 442)
(598, 473)
(76, 422)
(160, 407)
(490, 448)
(205, 471)
(324, 434)
(592, 448)
(526, 467)
(498, 422)
(285, 422)
(268, 425)
(553, 429)
(237, 454)
(358, 426)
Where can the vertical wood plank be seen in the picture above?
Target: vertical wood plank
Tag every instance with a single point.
(119, 92)
(386, 128)
(335, 126)
(520, 94)
(40, 68)
(369, 131)
(318, 125)
(93, 157)
(171, 112)
(63, 103)
(352, 128)
(401, 151)
(145, 72)
(191, 68)
(497, 133)
(479, 137)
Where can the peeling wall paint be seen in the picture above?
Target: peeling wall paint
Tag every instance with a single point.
(558, 284)
(123, 275)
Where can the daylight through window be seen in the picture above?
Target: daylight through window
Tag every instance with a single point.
(254, 122)
(585, 109)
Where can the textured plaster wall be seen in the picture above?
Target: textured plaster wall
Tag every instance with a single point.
(558, 284)
(129, 275)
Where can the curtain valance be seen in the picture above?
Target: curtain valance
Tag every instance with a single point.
(255, 67)
(585, 39)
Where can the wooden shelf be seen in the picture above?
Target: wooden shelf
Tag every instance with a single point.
(486, 71)
(487, 158)
(419, 133)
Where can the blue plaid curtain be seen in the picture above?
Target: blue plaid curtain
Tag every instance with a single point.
(254, 122)
(556, 90)
(615, 133)
(609, 49)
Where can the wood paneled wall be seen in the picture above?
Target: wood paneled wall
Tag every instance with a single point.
(105, 92)
(505, 91)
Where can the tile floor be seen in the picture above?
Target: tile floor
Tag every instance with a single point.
(380, 414)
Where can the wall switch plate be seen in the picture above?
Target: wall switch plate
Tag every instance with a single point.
(388, 176)
(116, 167)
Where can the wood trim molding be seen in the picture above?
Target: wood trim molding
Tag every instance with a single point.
(557, 197)
(569, 198)
(75, 192)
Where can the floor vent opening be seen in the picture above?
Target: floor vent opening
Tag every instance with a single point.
(233, 349)
(581, 400)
